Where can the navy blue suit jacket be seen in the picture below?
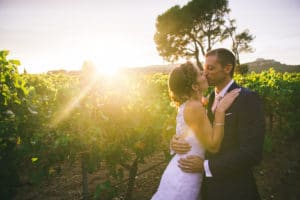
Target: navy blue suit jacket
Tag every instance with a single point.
(241, 149)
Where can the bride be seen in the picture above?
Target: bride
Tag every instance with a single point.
(186, 85)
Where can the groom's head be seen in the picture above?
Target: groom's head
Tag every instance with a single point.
(219, 66)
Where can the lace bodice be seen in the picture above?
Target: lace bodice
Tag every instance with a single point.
(189, 134)
(176, 184)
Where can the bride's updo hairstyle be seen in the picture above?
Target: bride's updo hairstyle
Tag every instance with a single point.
(180, 83)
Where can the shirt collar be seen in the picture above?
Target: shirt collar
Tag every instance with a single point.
(224, 90)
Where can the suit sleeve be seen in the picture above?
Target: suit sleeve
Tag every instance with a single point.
(250, 132)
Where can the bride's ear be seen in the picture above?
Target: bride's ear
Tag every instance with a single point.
(195, 87)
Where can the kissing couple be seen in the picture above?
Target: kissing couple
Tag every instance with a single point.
(215, 146)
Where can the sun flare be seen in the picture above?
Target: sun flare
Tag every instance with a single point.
(107, 71)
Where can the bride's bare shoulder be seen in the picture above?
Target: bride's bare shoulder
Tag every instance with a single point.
(193, 105)
(193, 111)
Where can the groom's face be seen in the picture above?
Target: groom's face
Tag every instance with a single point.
(214, 71)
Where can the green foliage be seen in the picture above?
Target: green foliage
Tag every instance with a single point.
(13, 112)
(104, 191)
(268, 144)
(280, 95)
(241, 69)
(191, 30)
(118, 123)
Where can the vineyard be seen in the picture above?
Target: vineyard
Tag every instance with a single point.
(115, 125)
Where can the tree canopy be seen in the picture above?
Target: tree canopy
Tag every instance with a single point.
(240, 40)
(193, 29)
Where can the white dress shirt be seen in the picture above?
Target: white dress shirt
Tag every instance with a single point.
(221, 94)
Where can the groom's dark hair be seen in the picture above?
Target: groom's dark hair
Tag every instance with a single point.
(225, 57)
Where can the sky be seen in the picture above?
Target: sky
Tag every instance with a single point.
(61, 34)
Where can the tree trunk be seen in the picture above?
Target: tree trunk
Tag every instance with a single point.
(280, 122)
(237, 57)
(132, 175)
(197, 57)
(199, 64)
(85, 192)
(271, 122)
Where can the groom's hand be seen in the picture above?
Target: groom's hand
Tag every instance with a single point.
(191, 164)
(179, 145)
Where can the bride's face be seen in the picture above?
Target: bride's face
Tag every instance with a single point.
(202, 83)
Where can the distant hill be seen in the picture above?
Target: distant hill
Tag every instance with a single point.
(261, 64)
(165, 69)
(258, 65)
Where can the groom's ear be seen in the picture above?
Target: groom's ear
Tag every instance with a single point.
(228, 68)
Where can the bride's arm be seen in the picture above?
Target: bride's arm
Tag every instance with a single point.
(195, 116)
(210, 136)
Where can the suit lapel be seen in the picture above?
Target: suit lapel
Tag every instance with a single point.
(233, 86)
(210, 114)
(210, 103)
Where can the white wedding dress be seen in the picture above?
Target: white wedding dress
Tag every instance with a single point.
(176, 184)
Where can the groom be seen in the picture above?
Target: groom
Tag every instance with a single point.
(228, 173)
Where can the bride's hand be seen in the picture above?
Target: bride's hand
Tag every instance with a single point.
(227, 100)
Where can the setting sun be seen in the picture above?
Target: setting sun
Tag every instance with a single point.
(108, 71)
(104, 100)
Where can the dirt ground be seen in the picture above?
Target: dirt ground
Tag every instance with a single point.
(278, 178)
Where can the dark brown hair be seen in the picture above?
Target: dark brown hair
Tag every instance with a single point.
(224, 56)
(181, 80)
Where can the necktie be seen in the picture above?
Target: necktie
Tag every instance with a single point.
(216, 102)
